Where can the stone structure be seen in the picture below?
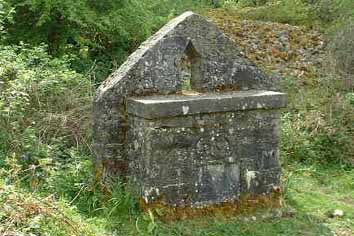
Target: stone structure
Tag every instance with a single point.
(211, 146)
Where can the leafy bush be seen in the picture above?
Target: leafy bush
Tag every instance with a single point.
(331, 11)
(44, 107)
(100, 33)
(6, 12)
(290, 12)
(324, 13)
(318, 126)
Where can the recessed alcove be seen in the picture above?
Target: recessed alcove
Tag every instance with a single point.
(189, 69)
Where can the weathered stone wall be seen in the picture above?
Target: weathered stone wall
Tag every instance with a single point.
(207, 159)
(158, 67)
(201, 157)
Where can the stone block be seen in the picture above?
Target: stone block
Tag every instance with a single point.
(233, 151)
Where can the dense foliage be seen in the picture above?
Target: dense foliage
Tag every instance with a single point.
(44, 107)
(99, 33)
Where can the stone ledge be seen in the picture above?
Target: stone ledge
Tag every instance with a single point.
(153, 107)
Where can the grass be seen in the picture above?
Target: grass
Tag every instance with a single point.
(319, 190)
(313, 191)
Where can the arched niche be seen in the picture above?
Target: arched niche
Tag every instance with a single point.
(189, 69)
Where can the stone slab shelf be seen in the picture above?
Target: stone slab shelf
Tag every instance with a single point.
(153, 107)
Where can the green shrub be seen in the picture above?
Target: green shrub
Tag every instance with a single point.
(44, 107)
(313, 13)
(6, 12)
(290, 12)
(329, 12)
(318, 126)
(100, 33)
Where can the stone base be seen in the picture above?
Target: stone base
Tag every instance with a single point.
(248, 204)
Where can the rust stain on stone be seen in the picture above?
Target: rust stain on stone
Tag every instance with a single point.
(116, 166)
(247, 204)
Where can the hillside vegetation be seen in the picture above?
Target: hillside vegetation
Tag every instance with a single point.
(54, 54)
